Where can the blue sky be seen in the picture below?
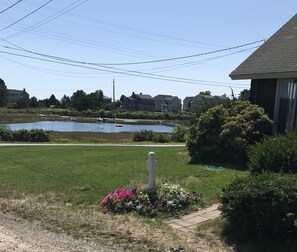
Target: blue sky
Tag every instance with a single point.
(114, 32)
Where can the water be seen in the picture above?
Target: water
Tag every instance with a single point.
(87, 127)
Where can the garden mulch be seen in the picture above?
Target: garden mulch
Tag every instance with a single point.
(187, 223)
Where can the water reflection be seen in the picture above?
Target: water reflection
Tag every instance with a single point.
(87, 127)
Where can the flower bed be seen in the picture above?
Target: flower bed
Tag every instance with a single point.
(166, 198)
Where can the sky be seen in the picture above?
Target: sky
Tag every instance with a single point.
(170, 47)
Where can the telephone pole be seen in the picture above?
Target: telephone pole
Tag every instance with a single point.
(113, 93)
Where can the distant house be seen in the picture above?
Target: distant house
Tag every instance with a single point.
(167, 103)
(138, 102)
(199, 102)
(107, 100)
(13, 95)
(187, 102)
(272, 69)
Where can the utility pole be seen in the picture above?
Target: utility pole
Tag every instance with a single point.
(113, 92)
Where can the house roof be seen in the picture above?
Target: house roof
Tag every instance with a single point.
(189, 98)
(275, 58)
(17, 92)
(144, 96)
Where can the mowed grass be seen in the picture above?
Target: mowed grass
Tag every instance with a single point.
(84, 175)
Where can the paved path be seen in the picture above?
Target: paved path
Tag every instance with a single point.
(189, 222)
(90, 145)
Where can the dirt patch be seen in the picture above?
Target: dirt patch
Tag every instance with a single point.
(132, 232)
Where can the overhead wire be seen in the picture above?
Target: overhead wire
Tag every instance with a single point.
(11, 6)
(124, 72)
(133, 63)
(29, 14)
(97, 21)
(50, 18)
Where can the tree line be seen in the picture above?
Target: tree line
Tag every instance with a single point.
(79, 100)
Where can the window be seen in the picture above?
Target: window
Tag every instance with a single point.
(285, 106)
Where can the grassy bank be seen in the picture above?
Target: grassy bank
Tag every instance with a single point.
(91, 137)
(60, 187)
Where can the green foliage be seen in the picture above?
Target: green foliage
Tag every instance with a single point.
(34, 135)
(276, 154)
(3, 93)
(39, 135)
(179, 133)
(167, 198)
(244, 95)
(5, 134)
(223, 133)
(143, 135)
(21, 136)
(262, 206)
(22, 103)
(151, 136)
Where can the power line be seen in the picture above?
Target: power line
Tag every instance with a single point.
(125, 72)
(182, 57)
(9, 7)
(97, 21)
(50, 18)
(132, 63)
(29, 14)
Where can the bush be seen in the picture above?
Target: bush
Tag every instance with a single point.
(34, 135)
(276, 154)
(38, 135)
(143, 135)
(223, 133)
(179, 133)
(149, 135)
(5, 134)
(262, 206)
(21, 136)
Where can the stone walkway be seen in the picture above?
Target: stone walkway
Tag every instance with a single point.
(189, 222)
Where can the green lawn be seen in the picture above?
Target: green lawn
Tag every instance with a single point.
(84, 175)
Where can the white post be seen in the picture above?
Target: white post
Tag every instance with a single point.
(151, 165)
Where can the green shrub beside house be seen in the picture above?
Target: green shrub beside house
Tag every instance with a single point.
(223, 133)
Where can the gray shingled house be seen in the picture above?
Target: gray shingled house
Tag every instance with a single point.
(167, 103)
(272, 69)
(200, 102)
(13, 95)
(138, 102)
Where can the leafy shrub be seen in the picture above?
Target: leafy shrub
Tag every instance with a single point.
(262, 206)
(160, 138)
(21, 135)
(149, 135)
(223, 133)
(276, 154)
(143, 135)
(167, 198)
(39, 135)
(179, 133)
(5, 134)
(34, 135)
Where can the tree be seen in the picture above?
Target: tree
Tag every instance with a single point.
(207, 92)
(33, 102)
(3, 93)
(97, 99)
(22, 103)
(81, 101)
(52, 101)
(244, 95)
(65, 102)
